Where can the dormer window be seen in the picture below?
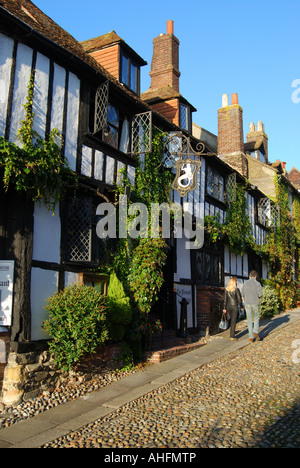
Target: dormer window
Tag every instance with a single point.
(259, 155)
(130, 73)
(185, 117)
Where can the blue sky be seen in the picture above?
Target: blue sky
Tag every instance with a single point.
(247, 47)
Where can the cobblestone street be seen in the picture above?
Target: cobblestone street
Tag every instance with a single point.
(249, 398)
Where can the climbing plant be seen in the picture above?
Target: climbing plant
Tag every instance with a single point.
(237, 229)
(141, 261)
(281, 248)
(37, 168)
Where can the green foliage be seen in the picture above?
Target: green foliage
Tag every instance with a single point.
(140, 262)
(269, 303)
(237, 229)
(281, 249)
(38, 168)
(146, 272)
(119, 314)
(76, 324)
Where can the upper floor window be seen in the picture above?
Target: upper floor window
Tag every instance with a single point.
(185, 117)
(111, 131)
(130, 73)
(215, 185)
(259, 155)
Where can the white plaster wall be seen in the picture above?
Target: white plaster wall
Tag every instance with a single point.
(120, 166)
(44, 283)
(131, 174)
(58, 96)
(22, 77)
(98, 167)
(6, 52)
(40, 98)
(72, 120)
(46, 234)
(183, 260)
(71, 278)
(86, 162)
(110, 165)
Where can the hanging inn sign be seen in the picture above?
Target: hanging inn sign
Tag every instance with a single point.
(6, 291)
(184, 160)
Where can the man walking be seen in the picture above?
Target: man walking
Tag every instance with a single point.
(252, 292)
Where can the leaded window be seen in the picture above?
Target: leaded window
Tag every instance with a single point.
(215, 184)
(81, 243)
(111, 130)
(185, 116)
(79, 231)
(141, 136)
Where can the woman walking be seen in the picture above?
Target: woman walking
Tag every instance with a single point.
(232, 302)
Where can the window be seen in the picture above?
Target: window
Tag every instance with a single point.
(208, 266)
(129, 73)
(184, 117)
(215, 184)
(99, 282)
(259, 155)
(111, 131)
(81, 243)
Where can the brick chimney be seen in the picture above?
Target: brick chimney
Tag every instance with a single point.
(165, 60)
(231, 134)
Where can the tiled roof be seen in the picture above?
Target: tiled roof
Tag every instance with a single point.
(294, 177)
(102, 41)
(30, 14)
(163, 94)
(109, 39)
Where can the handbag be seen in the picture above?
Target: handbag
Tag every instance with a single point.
(223, 325)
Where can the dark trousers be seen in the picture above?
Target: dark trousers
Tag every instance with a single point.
(233, 312)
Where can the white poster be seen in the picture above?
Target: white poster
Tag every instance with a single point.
(6, 291)
(184, 291)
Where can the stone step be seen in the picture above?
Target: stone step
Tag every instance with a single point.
(158, 356)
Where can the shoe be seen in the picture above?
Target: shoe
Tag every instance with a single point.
(257, 337)
(251, 339)
(233, 339)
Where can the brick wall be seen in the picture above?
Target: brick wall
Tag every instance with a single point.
(209, 300)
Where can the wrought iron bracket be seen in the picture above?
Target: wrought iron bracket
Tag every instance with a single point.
(183, 154)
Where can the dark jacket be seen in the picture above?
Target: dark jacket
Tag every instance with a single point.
(232, 299)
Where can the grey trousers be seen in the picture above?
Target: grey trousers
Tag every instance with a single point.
(252, 313)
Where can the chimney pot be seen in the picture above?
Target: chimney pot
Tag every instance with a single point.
(260, 126)
(225, 100)
(234, 99)
(170, 27)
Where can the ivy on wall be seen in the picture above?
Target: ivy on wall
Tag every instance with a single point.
(140, 262)
(237, 229)
(282, 250)
(37, 168)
